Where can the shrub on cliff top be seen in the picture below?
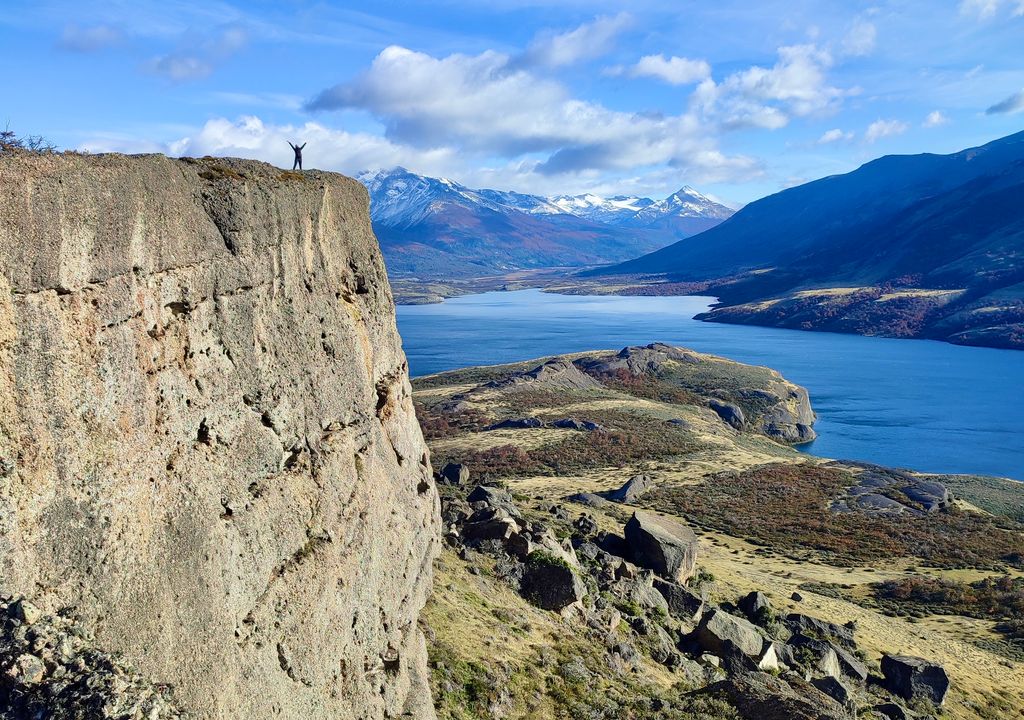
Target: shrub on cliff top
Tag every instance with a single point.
(10, 142)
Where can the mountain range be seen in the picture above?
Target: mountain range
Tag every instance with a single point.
(438, 228)
(917, 245)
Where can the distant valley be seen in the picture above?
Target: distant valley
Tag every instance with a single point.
(434, 228)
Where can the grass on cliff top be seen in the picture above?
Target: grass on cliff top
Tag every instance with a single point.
(994, 495)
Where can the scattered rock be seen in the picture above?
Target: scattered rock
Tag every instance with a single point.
(496, 528)
(914, 678)
(730, 414)
(893, 711)
(26, 611)
(454, 474)
(760, 696)
(631, 491)
(717, 626)
(816, 657)
(800, 623)
(637, 588)
(589, 499)
(520, 545)
(54, 670)
(796, 597)
(550, 583)
(666, 546)
(682, 603)
(526, 423)
(835, 689)
(484, 496)
(754, 604)
(573, 424)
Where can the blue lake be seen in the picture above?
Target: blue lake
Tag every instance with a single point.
(919, 404)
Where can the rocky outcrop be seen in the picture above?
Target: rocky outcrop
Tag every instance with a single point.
(745, 398)
(556, 373)
(887, 491)
(209, 451)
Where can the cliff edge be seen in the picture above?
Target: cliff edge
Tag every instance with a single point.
(209, 457)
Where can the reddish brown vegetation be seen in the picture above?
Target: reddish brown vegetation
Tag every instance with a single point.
(647, 387)
(786, 506)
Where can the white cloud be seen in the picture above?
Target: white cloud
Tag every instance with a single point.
(768, 97)
(673, 70)
(835, 135)
(934, 119)
(860, 40)
(89, 39)
(586, 42)
(1012, 104)
(250, 137)
(988, 9)
(884, 128)
(347, 152)
(489, 105)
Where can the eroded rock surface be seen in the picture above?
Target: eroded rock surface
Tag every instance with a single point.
(209, 451)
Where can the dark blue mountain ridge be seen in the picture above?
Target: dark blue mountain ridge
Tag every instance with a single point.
(915, 246)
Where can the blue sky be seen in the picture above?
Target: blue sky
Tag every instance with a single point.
(738, 99)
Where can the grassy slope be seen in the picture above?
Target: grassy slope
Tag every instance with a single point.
(503, 635)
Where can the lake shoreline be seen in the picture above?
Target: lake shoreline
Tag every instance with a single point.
(914, 405)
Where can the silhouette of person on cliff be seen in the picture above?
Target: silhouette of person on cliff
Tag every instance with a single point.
(298, 154)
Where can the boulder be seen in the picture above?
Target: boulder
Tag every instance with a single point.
(550, 583)
(717, 626)
(525, 423)
(454, 474)
(815, 657)
(754, 604)
(682, 603)
(768, 659)
(496, 528)
(914, 678)
(589, 499)
(494, 498)
(760, 696)
(893, 711)
(638, 589)
(850, 665)
(574, 424)
(730, 414)
(666, 546)
(807, 625)
(631, 491)
(836, 690)
(519, 545)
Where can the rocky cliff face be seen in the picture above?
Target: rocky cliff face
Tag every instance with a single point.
(208, 451)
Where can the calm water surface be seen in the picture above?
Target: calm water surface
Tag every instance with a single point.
(910, 403)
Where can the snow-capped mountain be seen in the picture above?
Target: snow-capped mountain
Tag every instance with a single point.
(611, 210)
(435, 226)
(401, 198)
